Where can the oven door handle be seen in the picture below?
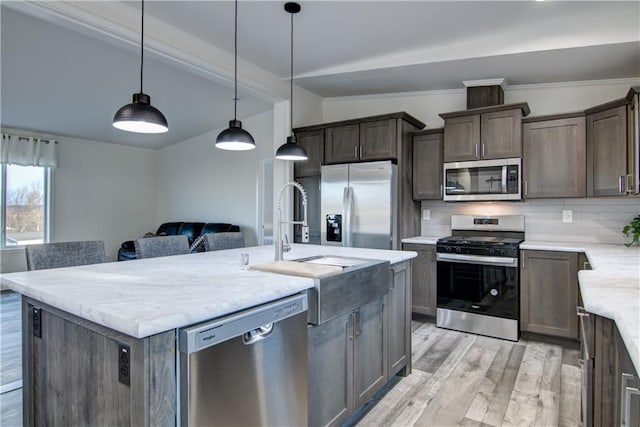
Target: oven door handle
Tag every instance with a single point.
(477, 259)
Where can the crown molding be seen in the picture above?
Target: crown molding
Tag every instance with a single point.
(502, 82)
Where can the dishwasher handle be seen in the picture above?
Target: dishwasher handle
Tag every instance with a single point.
(257, 334)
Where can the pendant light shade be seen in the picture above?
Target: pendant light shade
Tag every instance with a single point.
(235, 138)
(140, 116)
(291, 150)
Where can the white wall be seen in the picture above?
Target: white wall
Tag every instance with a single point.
(198, 182)
(100, 191)
(425, 106)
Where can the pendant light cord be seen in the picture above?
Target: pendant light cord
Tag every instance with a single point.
(291, 82)
(142, 46)
(235, 73)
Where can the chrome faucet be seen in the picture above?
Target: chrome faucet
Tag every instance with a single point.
(281, 246)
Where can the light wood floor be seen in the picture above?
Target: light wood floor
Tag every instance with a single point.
(10, 360)
(457, 379)
(461, 379)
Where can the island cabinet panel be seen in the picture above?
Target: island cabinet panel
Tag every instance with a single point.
(462, 138)
(501, 134)
(369, 361)
(554, 158)
(607, 152)
(423, 278)
(73, 373)
(342, 144)
(427, 165)
(398, 315)
(549, 293)
(378, 140)
(313, 143)
(347, 364)
(330, 372)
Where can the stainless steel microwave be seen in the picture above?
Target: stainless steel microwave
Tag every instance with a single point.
(483, 180)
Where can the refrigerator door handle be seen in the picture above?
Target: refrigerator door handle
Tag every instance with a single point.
(348, 214)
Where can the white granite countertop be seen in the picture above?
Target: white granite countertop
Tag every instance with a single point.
(145, 297)
(422, 240)
(611, 289)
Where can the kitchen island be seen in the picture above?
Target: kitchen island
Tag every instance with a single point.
(88, 313)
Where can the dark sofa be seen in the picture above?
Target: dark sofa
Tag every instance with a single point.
(192, 230)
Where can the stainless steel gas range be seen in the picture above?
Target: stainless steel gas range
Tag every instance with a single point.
(478, 282)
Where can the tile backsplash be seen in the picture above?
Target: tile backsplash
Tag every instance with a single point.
(597, 220)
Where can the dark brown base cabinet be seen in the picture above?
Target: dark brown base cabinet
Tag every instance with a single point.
(610, 383)
(353, 356)
(549, 293)
(73, 373)
(424, 276)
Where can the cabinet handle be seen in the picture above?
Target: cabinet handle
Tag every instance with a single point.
(358, 327)
(524, 266)
(622, 183)
(477, 151)
(482, 155)
(355, 151)
(350, 325)
(581, 312)
(526, 188)
(441, 191)
(361, 151)
(629, 184)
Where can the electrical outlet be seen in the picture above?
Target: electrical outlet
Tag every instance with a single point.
(567, 217)
(426, 214)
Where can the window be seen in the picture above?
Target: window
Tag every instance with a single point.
(25, 205)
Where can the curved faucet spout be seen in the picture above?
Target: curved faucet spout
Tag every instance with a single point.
(281, 246)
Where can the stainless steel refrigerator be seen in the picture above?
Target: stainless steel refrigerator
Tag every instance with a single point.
(359, 205)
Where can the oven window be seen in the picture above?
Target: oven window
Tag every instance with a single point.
(481, 289)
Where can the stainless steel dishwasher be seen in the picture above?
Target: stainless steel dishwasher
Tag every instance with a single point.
(246, 369)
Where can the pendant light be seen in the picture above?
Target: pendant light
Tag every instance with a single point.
(235, 138)
(140, 116)
(291, 150)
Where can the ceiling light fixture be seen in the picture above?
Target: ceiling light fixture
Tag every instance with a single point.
(140, 116)
(290, 150)
(235, 138)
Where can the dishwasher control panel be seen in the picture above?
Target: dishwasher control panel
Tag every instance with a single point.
(203, 335)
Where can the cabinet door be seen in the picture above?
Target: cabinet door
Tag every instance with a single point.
(313, 143)
(423, 279)
(549, 293)
(368, 355)
(628, 386)
(398, 315)
(501, 134)
(554, 158)
(330, 372)
(378, 140)
(341, 144)
(427, 166)
(462, 138)
(606, 152)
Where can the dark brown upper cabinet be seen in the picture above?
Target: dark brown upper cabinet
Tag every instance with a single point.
(427, 164)
(313, 143)
(554, 156)
(607, 144)
(342, 144)
(484, 133)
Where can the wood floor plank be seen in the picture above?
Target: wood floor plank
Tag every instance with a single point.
(11, 408)
(523, 405)
(452, 402)
(410, 414)
(490, 403)
(570, 395)
(549, 401)
(438, 352)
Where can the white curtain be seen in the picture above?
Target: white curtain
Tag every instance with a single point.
(29, 151)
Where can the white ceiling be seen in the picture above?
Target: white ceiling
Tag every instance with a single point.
(68, 66)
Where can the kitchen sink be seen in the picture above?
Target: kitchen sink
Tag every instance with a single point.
(360, 282)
